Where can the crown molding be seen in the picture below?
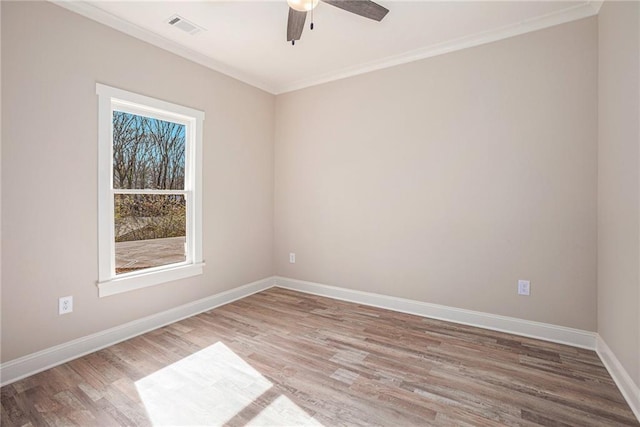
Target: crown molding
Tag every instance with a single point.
(596, 5)
(573, 13)
(92, 12)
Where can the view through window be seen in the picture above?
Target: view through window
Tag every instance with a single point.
(150, 209)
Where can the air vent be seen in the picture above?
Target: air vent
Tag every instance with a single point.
(184, 25)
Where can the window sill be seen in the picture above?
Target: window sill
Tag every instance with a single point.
(151, 278)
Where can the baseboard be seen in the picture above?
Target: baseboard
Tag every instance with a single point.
(629, 389)
(512, 325)
(22, 367)
(543, 331)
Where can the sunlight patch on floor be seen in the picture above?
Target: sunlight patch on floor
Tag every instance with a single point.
(283, 411)
(207, 388)
(210, 387)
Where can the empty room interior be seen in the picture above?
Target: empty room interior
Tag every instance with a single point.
(303, 212)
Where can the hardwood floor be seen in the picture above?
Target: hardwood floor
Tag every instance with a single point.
(286, 358)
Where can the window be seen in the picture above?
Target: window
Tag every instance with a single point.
(149, 191)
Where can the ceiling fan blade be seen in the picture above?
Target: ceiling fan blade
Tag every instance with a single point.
(295, 25)
(365, 8)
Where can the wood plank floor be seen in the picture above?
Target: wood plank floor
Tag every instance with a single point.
(286, 358)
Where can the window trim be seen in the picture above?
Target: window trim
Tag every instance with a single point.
(108, 282)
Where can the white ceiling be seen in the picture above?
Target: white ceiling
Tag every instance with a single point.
(247, 39)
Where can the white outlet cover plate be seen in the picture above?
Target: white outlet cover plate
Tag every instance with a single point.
(524, 287)
(292, 258)
(65, 305)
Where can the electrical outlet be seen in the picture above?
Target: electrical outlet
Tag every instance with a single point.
(524, 287)
(292, 258)
(65, 305)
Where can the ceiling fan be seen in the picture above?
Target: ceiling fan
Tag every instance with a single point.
(298, 13)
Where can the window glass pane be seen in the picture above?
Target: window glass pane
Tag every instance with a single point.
(150, 230)
(147, 153)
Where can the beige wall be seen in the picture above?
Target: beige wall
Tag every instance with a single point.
(446, 180)
(618, 182)
(51, 61)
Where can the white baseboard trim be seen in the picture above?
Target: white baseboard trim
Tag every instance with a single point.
(629, 389)
(512, 325)
(543, 331)
(25, 366)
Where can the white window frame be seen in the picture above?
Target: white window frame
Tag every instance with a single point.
(110, 99)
